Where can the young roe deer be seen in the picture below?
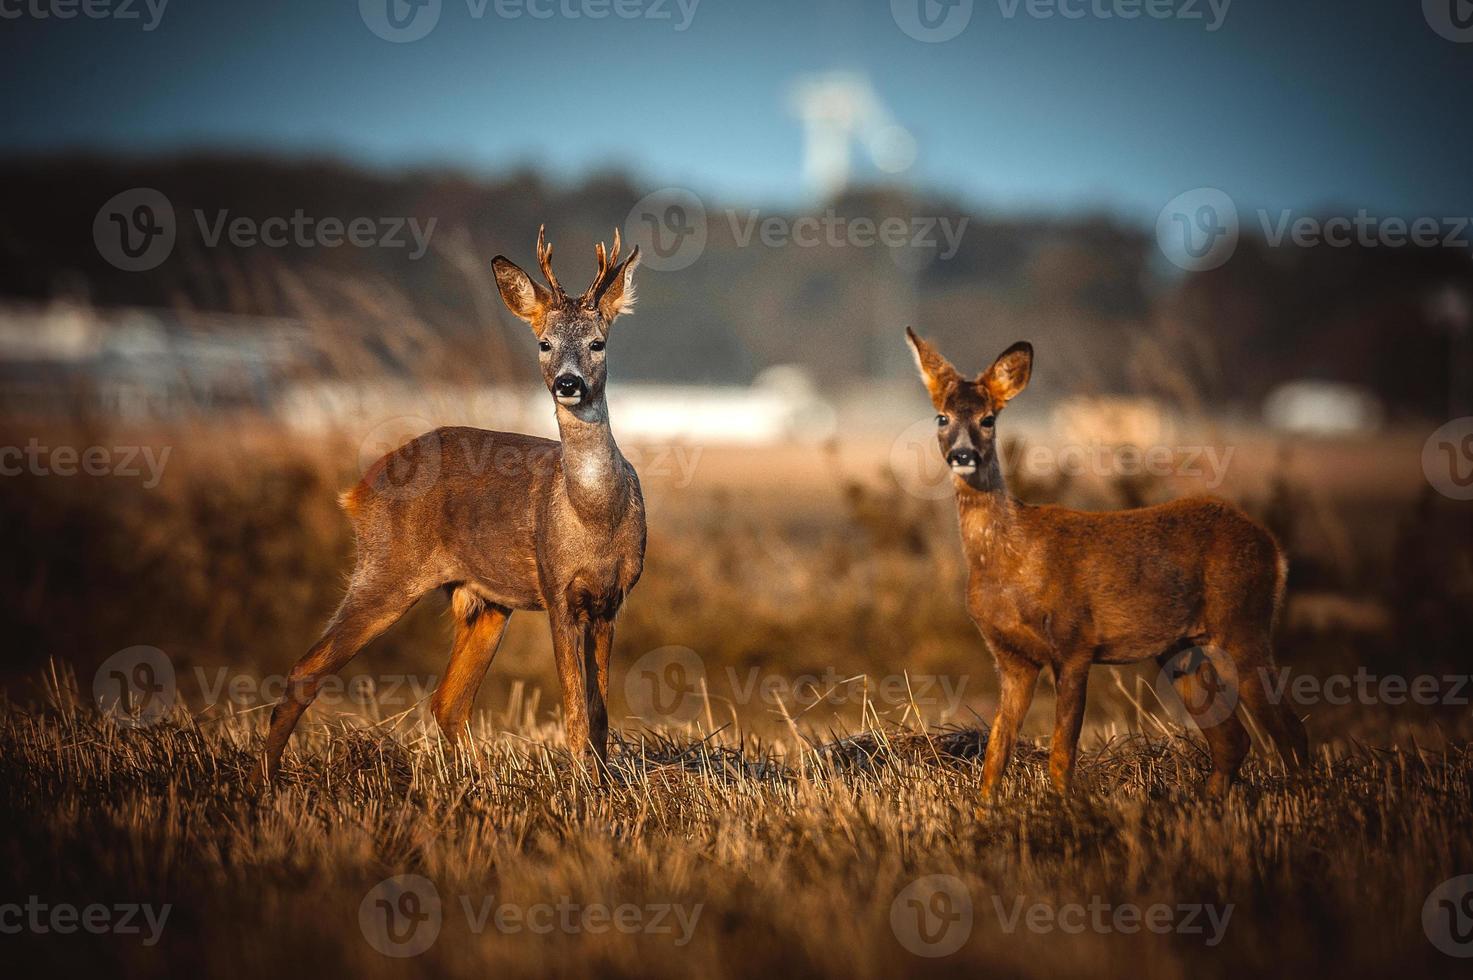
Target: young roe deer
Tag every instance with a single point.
(503, 522)
(1065, 589)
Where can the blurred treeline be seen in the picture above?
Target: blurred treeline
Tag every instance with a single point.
(1093, 292)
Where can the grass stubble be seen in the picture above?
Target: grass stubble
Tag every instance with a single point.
(783, 856)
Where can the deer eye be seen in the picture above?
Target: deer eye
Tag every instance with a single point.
(544, 346)
(941, 420)
(596, 346)
(989, 421)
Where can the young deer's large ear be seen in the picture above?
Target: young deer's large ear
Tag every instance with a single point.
(1009, 374)
(618, 298)
(936, 371)
(524, 296)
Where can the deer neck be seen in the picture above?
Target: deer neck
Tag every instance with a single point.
(987, 513)
(593, 467)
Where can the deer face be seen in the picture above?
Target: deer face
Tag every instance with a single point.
(967, 408)
(571, 333)
(571, 355)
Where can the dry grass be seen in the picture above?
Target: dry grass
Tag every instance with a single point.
(793, 833)
(786, 857)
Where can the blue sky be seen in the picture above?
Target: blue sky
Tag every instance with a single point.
(1310, 105)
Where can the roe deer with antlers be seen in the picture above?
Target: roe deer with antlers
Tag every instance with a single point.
(1065, 589)
(502, 521)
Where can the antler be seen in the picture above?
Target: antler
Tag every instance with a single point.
(544, 259)
(607, 266)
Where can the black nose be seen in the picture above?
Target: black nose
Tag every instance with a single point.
(962, 457)
(568, 386)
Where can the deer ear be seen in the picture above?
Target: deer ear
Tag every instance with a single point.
(1009, 374)
(618, 298)
(936, 371)
(520, 292)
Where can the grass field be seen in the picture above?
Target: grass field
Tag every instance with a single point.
(715, 856)
(813, 809)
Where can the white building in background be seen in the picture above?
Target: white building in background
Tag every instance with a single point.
(145, 365)
(781, 406)
(1323, 408)
(139, 365)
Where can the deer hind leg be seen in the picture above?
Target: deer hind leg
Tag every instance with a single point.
(479, 628)
(1200, 688)
(1253, 662)
(1071, 683)
(366, 612)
